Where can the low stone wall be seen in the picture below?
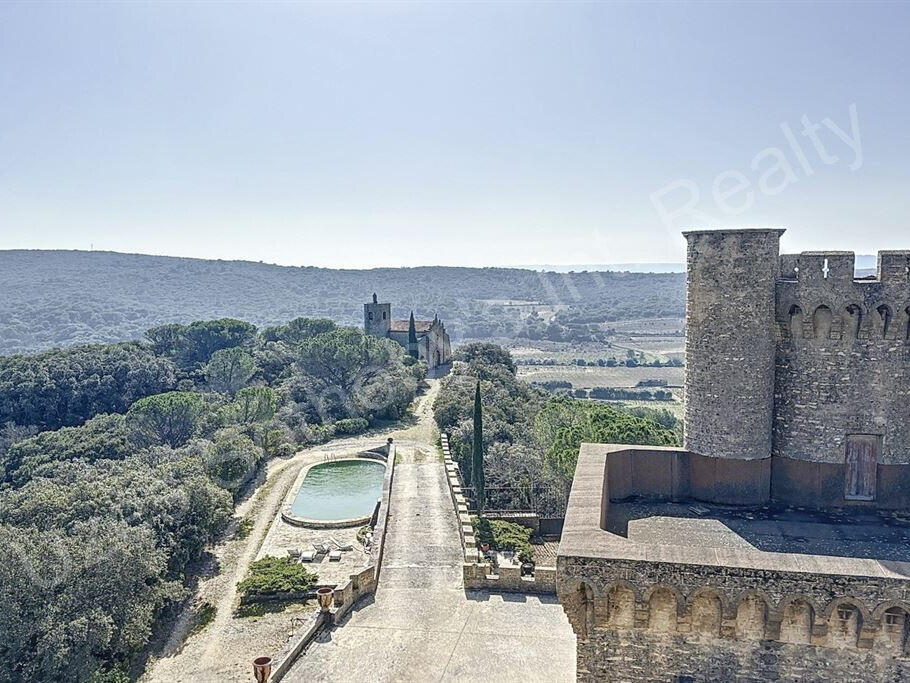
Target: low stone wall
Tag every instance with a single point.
(359, 586)
(509, 579)
(384, 507)
(459, 502)
(317, 621)
(478, 574)
(677, 474)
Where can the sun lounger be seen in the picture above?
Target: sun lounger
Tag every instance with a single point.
(335, 556)
(340, 546)
(308, 556)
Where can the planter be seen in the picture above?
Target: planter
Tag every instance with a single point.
(262, 668)
(325, 596)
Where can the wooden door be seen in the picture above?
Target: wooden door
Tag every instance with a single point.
(863, 452)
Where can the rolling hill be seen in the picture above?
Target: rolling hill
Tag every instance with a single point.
(63, 298)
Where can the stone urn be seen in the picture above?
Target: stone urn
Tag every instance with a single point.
(325, 597)
(262, 669)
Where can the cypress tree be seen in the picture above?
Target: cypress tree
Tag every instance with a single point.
(477, 454)
(412, 337)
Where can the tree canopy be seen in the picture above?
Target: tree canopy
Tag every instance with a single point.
(229, 370)
(529, 439)
(169, 419)
(66, 387)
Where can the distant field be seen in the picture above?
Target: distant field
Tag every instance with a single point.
(653, 348)
(590, 377)
(510, 302)
(566, 354)
(648, 325)
(664, 346)
(523, 308)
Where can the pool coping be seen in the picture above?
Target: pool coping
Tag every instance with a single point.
(290, 518)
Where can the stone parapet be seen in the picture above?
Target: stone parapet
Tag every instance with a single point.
(714, 611)
(478, 573)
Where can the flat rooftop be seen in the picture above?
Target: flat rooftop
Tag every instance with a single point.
(839, 541)
(847, 541)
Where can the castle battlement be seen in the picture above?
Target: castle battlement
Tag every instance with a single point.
(812, 359)
(797, 402)
(838, 267)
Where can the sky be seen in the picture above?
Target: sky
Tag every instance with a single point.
(478, 134)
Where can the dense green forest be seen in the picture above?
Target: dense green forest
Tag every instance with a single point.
(531, 439)
(65, 298)
(120, 465)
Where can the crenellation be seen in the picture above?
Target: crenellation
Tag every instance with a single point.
(789, 267)
(829, 268)
(894, 268)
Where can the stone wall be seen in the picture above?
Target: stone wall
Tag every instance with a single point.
(377, 318)
(730, 342)
(843, 357)
(647, 621)
(434, 340)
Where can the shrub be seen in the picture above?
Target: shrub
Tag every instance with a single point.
(504, 536)
(352, 425)
(273, 576)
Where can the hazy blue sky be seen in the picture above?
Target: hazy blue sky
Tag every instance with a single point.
(476, 134)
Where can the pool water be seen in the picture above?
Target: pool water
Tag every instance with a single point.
(343, 489)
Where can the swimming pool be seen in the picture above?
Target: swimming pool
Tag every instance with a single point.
(339, 491)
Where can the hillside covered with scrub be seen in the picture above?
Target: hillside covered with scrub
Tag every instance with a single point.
(65, 298)
(120, 465)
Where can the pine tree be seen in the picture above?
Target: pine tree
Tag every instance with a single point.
(477, 454)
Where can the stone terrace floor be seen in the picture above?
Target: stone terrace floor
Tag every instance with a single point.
(837, 541)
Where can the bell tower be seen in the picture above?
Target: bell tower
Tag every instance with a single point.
(377, 318)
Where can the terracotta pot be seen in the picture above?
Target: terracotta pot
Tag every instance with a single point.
(262, 668)
(325, 596)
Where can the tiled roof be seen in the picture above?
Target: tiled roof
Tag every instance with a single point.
(420, 325)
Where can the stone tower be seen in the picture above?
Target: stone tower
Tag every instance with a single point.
(731, 342)
(377, 318)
